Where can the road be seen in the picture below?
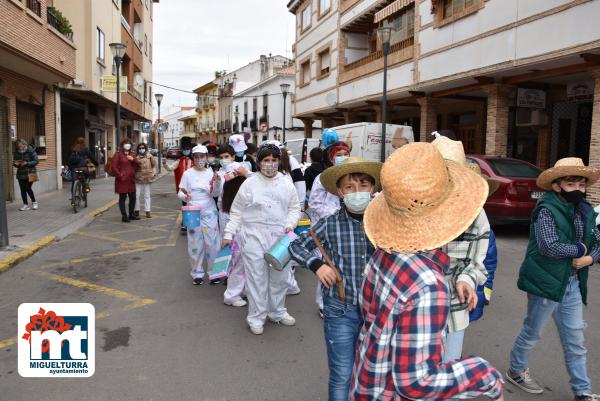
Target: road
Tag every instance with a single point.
(161, 338)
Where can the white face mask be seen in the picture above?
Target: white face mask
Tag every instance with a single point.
(357, 202)
(200, 161)
(269, 169)
(211, 159)
(127, 147)
(225, 162)
(340, 159)
(141, 151)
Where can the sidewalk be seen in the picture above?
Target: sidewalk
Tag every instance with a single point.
(31, 230)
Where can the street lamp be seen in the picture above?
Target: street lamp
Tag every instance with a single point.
(118, 50)
(159, 98)
(384, 35)
(285, 88)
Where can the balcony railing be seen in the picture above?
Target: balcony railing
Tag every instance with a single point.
(35, 6)
(406, 43)
(55, 23)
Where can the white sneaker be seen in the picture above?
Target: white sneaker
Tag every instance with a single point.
(24, 207)
(287, 320)
(258, 330)
(238, 303)
(34, 206)
(293, 291)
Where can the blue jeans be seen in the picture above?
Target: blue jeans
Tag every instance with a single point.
(342, 323)
(568, 317)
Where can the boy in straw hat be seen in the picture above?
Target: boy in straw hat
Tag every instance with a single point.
(563, 242)
(426, 202)
(342, 237)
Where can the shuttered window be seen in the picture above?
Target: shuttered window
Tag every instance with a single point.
(29, 123)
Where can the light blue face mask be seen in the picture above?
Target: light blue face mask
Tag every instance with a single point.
(240, 154)
(340, 159)
(357, 202)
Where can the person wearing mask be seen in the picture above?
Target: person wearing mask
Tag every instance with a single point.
(124, 164)
(181, 165)
(265, 208)
(79, 159)
(25, 159)
(240, 148)
(143, 179)
(199, 185)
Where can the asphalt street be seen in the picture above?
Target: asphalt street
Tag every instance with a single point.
(158, 337)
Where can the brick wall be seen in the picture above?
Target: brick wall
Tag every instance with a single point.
(428, 117)
(594, 192)
(497, 120)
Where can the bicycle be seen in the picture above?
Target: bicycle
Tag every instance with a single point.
(79, 191)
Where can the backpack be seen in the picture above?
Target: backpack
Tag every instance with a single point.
(108, 166)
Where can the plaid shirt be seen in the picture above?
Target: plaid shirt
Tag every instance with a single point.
(405, 306)
(346, 243)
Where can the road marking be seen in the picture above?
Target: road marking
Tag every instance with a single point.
(104, 208)
(17, 257)
(81, 260)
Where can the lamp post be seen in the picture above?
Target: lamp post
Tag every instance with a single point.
(159, 98)
(384, 34)
(284, 91)
(118, 49)
(236, 114)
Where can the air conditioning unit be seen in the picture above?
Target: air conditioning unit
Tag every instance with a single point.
(531, 117)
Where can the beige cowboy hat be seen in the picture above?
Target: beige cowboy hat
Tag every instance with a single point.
(570, 166)
(426, 201)
(331, 176)
(454, 151)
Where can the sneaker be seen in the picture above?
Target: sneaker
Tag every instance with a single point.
(34, 206)
(258, 330)
(587, 397)
(238, 303)
(133, 217)
(321, 313)
(148, 215)
(293, 291)
(524, 381)
(287, 320)
(215, 281)
(24, 207)
(198, 281)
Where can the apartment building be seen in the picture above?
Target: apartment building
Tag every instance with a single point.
(517, 78)
(35, 58)
(88, 108)
(207, 110)
(175, 130)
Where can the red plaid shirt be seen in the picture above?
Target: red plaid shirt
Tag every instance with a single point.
(405, 305)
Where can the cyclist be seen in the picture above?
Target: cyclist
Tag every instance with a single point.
(78, 160)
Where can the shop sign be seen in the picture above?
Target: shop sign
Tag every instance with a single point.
(580, 91)
(146, 126)
(531, 98)
(109, 84)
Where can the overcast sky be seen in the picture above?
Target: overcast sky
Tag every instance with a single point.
(195, 38)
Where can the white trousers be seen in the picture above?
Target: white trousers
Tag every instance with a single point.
(143, 189)
(223, 220)
(236, 276)
(204, 243)
(266, 287)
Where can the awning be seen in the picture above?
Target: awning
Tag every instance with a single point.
(395, 7)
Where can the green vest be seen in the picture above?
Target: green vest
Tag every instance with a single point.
(547, 277)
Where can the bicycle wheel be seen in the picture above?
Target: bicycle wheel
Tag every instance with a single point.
(77, 196)
(84, 199)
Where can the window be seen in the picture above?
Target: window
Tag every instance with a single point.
(306, 17)
(451, 10)
(305, 73)
(146, 44)
(100, 45)
(513, 168)
(403, 24)
(324, 7)
(324, 63)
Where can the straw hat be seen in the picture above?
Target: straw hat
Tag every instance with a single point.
(332, 175)
(426, 202)
(454, 151)
(570, 166)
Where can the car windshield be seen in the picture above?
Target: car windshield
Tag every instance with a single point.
(513, 168)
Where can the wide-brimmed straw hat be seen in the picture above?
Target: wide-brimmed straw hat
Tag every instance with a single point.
(567, 167)
(454, 151)
(332, 175)
(426, 201)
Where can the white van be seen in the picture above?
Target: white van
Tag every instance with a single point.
(300, 148)
(365, 138)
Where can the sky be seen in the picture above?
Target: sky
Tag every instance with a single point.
(195, 38)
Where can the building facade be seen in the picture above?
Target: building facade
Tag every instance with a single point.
(35, 60)
(499, 73)
(207, 111)
(175, 130)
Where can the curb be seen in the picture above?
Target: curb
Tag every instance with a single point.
(12, 260)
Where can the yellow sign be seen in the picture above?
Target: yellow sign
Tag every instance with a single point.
(109, 83)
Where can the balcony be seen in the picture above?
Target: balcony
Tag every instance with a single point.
(59, 22)
(399, 52)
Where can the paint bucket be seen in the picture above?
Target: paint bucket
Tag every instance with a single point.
(278, 256)
(190, 216)
(303, 225)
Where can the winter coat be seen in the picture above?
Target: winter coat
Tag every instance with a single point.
(80, 159)
(31, 160)
(124, 171)
(484, 292)
(311, 173)
(145, 172)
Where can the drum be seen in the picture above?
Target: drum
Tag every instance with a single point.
(278, 256)
(191, 216)
(303, 225)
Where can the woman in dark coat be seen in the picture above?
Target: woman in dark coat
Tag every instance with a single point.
(123, 165)
(25, 159)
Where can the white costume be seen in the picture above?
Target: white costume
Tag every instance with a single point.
(263, 208)
(300, 186)
(203, 242)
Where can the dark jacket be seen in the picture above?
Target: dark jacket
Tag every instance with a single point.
(31, 160)
(490, 262)
(124, 171)
(311, 173)
(80, 159)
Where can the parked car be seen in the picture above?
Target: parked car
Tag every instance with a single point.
(518, 194)
(173, 152)
(154, 152)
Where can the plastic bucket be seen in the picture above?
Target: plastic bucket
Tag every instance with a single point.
(303, 225)
(191, 216)
(278, 256)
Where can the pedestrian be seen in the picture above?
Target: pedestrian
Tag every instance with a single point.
(144, 176)
(484, 292)
(316, 167)
(180, 166)
(251, 151)
(199, 185)
(343, 238)
(265, 208)
(240, 148)
(25, 159)
(124, 163)
(563, 243)
(80, 159)
(425, 203)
